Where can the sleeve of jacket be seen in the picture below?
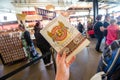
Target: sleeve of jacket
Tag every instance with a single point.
(27, 38)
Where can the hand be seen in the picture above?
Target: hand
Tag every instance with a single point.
(102, 29)
(63, 67)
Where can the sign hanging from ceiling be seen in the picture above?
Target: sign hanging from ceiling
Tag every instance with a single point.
(21, 16)
(29, 12)
(46, 14)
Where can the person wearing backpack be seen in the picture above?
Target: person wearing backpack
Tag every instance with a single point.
(98, 29)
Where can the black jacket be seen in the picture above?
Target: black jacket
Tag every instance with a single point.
(80, 27)
(97, 30)
(106, 24)
(27, 38)
(41, 41)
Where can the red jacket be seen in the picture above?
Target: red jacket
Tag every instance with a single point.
(112, 33)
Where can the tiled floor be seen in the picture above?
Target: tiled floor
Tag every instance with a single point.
(83, 68)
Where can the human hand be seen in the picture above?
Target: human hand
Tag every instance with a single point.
(102, 28)
(63, 67)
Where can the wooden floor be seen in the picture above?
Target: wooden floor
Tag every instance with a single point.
(83, 68)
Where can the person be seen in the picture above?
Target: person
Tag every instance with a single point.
(80, 27)
(98, 29)
(118, 20)
(106, 23)
(89, 25)
(90, 30)
(27, 42)
(112, 32)
(63, 67)
(42, 44)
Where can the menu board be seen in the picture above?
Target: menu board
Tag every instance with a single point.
(64, 37)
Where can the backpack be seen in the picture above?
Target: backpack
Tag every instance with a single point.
(110, 60)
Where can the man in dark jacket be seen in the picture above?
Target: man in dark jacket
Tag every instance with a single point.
(80, 27)
(98, 26)
(42, 44)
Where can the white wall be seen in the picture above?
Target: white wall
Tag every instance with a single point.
(9, 17)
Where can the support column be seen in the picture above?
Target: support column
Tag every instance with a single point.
(89, 12)
(95, 8)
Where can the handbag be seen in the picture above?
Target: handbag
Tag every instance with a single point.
(91, 32)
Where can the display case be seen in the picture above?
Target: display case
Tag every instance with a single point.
(11, 49)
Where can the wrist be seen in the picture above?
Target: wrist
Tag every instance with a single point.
(60, 76)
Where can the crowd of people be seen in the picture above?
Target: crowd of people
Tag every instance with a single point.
(41, 43)
(108, 29)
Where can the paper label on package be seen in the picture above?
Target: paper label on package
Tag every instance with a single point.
(64, 37)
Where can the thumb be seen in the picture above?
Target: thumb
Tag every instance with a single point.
(72, 60)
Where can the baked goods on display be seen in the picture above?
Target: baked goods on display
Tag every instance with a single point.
(11, 47)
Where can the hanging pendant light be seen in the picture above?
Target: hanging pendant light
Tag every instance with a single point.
(50, 7)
